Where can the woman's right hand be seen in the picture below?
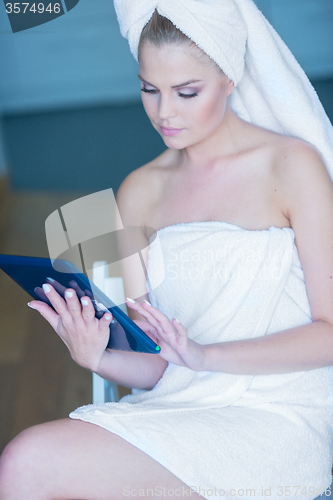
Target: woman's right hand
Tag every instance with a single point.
(85, 336)
(148, 328)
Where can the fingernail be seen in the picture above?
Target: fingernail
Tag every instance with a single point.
(146, 301)
(50, 279)
(31, 306)
(46, 288)
(130, 300)
(177, 320)
(84, 302)
(69, 294)
(107, 316)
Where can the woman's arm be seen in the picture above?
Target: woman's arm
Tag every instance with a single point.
(85, 336)
(143, 370)
(300, 348)
(137, 370)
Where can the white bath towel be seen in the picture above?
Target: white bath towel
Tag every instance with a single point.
(219, 430)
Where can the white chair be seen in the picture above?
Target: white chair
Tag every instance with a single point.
(103, 390)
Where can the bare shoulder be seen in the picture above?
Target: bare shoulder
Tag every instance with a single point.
(300, 172)
(307, 196)
(140, 188)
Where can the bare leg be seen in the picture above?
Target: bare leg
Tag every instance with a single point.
(70, 460)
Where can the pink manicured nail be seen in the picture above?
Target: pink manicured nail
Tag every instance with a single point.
(46, 288)
(177, 320)
(31, 306)
(130, 300)
(146, 301)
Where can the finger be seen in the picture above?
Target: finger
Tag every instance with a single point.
(88, 310)
(74, 305)
(80, 293)
(46, 311)
(56, 285)
(162, 319)
(149, 329)
(145, 326)
(145, 311)
(104, 322)
(146, 314)
(181, 330)
(57, 301)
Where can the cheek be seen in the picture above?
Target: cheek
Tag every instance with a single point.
(209, 113)
(148, 106)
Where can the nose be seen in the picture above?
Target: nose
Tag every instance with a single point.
(167, 107)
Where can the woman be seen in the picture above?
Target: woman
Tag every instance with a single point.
(241, 388)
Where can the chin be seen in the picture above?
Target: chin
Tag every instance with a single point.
(174, 143)
(174, 146)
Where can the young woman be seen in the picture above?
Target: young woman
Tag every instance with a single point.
(238, 403)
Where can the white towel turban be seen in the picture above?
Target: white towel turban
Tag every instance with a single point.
(272, 90)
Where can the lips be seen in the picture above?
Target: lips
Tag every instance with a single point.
(170, 131)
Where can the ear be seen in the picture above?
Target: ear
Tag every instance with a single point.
(231, 87)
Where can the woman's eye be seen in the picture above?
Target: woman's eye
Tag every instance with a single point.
(150, 91)
(187, 96)
(154, 91)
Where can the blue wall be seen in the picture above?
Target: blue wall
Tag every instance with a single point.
(70, 98)
(81, 58)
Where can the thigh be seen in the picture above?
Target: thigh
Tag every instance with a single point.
(71, 459)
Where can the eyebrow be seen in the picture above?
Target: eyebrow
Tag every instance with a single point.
(174, 86)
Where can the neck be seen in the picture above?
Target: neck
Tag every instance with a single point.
(224, 142)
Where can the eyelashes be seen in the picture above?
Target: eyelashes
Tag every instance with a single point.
(185, 96)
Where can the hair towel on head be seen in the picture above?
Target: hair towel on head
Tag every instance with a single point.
(216, 27)
(272, 90)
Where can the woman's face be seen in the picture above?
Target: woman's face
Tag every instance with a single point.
(184, 98)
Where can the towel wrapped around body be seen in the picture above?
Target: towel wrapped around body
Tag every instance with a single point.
(244, 436)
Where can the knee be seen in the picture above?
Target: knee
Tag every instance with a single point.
(17, 461)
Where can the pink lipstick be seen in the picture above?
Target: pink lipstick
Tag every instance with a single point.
(170, 131)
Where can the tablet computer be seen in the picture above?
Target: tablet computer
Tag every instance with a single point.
(31, 272)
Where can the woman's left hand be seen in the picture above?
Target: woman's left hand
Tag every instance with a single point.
(172, 338)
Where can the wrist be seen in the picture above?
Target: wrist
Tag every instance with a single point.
(89, 363)
(209, 357)
(98, 364)
(204, 361)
